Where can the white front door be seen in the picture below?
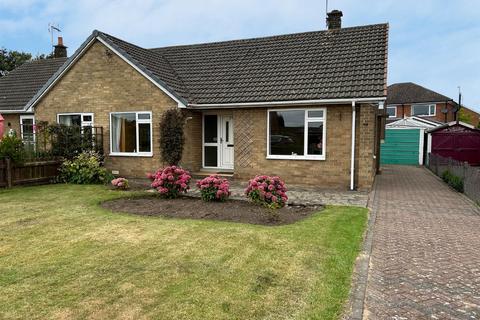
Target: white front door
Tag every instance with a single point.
(218, 141)
(226, 141)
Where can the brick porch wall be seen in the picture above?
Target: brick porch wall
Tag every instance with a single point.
(14, 120)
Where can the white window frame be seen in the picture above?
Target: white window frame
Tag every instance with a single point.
(307, 119)
(137, 122)
(25, 117)
(389, 107)
(81, 114)
(429, 107)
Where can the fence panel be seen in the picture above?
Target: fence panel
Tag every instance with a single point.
(470, 175)
(28, 173)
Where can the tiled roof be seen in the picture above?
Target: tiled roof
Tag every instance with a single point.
(20, 85)
(333, 64)
(410, 92)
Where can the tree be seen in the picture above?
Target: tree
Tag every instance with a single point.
(464, 116)
(10, 59)
(172, 137)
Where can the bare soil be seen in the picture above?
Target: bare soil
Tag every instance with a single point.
(195, 208)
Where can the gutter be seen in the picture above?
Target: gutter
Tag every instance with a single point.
(283, 103)
(15, 111)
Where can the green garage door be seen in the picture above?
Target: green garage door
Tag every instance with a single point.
(400, 146)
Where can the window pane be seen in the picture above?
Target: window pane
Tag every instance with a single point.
(87, 118)
(287, 132)
(210, 129)
(421, 110)
(143, 116)
(124, 129)
(27, 130)
(70, 120)
(211, 156)
(315, 137)
(315, 114)
(391, 111)
(144, 137)
(432, 109)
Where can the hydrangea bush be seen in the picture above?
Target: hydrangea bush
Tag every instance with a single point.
(120, 183)
(214, 188)
(268, 191)
(170, 181)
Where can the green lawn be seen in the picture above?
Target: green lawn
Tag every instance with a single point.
(64, 257)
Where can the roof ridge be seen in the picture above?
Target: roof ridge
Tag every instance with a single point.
(270, 37)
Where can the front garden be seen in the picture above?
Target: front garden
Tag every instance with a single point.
(62, 256)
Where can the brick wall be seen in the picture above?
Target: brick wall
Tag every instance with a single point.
(14, 120)
(333, 172)
(406, 110)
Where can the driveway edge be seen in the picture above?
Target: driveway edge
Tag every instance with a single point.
(356, 303)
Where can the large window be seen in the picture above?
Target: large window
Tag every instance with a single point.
(131, 133)
(296, 134)
(75, 119)
(392, 111)
(423, 110)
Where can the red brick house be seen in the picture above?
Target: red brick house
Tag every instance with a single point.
(410, 99)
(307, 106)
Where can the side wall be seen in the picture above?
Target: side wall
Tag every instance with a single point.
(102, 83)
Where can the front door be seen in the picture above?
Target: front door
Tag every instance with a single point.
(218, 141)
(27, 132)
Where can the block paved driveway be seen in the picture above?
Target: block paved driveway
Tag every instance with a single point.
(425, 259)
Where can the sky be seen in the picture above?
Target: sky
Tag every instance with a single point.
(434, 43)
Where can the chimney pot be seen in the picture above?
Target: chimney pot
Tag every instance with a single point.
(334, 19)
(60, 41)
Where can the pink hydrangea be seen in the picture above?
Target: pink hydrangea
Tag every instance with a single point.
(268, 191)
(170, 181)
(214, 188)
(120, 183)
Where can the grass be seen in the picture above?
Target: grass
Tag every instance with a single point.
(64, 257)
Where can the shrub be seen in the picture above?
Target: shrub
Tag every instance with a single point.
(86, 168)
(214, 188)
(453, 181)
(170, 181)
(268, 191)
(172, 137)
(120, 183)
(12, 147)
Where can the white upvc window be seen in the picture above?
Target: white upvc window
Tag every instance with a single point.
(131, 134)
(424, 109)
(76, 119)
(296, 134)
(392, 111)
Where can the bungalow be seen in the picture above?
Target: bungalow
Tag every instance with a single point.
(307, 106)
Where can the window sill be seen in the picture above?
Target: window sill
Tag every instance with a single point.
(321, 158)
(122, 154)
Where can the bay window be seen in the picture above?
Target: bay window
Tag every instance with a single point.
(296, 134)
(131, 133)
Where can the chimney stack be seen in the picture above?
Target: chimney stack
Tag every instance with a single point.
(334, 19)
(60, 50)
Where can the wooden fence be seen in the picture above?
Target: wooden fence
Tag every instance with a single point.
(28, 173)
(470, 175)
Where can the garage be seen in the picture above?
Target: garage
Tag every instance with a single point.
(405, 141)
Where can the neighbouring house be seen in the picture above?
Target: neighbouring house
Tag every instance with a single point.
(18, 88)
(456, 140)
(410, 99)
(307, 106)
